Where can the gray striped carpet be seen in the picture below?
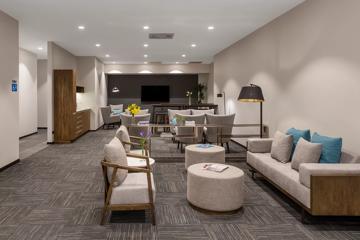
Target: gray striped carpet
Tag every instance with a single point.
(57, 194)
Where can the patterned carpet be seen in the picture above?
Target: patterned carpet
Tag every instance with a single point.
(57, 194)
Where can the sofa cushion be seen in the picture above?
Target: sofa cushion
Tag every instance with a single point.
(315, 169)
(305, 152)
(331, 148)
(280, 174)
(115, 153)
(133, 190)
(297, 134)
(123, 135)
(281, 147)
(173, 112)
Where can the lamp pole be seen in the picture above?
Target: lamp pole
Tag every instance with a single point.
(261, 119)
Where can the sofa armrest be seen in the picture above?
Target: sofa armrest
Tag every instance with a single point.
(307, 170)
(259, 145)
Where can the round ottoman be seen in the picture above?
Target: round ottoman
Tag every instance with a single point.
(220, 192)
(195, 154)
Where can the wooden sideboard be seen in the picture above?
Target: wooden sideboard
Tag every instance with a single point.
(69, 124)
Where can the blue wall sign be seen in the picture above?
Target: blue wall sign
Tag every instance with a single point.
(14, 86)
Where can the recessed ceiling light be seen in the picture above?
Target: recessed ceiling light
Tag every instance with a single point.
(184, 55)
(176, 62)
(145, 56)
(193, 45)
(98, 45)
(107, 55)
(40, 48)
(145, 62)
(211, 27)
(81, 27)
(146, 27)
(146, 45)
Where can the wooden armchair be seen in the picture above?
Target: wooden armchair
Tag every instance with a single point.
(137, 192)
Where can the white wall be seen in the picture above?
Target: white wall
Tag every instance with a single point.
(9, 101)
(28, 118)
(157, 68)
(58, 58)
(86, 78)
(100, 89)
(42, 93)
(308, 65)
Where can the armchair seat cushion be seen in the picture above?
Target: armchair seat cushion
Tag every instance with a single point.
(307, 170)
(133, 190)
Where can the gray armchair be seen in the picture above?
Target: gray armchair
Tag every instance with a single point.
(219, 135)
(109, 118)
(188, 131)
(127, 120)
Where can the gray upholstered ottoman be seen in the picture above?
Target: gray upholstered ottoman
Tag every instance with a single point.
(195, 154)
(214, 191)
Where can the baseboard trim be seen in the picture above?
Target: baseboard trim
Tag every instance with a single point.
(28, 135)
(96, 129)
(9, 165)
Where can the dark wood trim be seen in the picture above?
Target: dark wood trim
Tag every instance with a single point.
(42, 128)
(9, 165)
(335, 195)
(28, 135)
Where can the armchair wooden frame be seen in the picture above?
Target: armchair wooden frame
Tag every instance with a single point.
(109, 185)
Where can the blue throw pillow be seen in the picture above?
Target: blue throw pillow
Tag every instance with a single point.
(331, 148)
(297, 134)
(116, 112)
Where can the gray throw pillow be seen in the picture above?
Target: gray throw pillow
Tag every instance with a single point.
(115, 153)
(306, 152)
(123, 135)
(281, 147)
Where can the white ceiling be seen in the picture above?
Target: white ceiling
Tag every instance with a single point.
(118, 26)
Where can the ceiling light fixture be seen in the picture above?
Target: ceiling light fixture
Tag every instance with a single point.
(40, 48)
(81, 27)
(145, 62)
(211, 27)
(146, 45)
(184, 55)
(107, 55)
(176, 62)
(193, 45)
(146, 27)
(98, 45)
(146, 56)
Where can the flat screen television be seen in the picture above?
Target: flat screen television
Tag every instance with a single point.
(155, 94)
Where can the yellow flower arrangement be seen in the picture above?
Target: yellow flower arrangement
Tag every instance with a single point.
(134, 109)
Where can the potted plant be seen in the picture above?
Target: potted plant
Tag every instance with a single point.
(201, 92)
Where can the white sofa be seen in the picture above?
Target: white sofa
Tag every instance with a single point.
(320, 189)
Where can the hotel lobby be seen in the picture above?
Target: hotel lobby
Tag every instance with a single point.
(179, 120)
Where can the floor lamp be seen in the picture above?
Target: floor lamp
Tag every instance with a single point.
(253, 94)
(222, 95)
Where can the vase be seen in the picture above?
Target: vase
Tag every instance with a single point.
(189, 100)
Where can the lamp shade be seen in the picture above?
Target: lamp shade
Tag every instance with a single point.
(252, 93)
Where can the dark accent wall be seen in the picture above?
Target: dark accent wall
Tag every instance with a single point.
(130, 86)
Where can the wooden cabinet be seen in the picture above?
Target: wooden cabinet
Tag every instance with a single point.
(81, 123)
(68, 123)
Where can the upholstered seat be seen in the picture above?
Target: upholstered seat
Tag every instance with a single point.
(133, 190)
